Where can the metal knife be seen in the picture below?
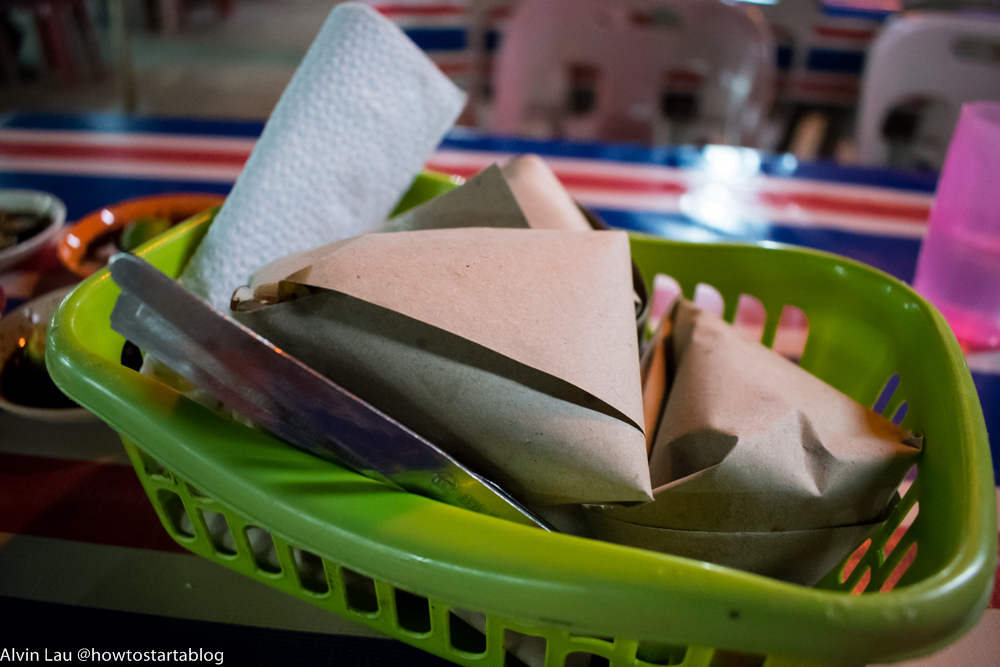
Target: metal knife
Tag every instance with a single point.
(251, 375)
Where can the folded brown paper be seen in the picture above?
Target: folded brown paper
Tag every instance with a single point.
(798, 556)
(541, 196)
(485, 200)
(514, 350)
(750, 444)
(525, 193)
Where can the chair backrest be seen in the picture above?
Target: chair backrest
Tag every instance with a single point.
(822, 47)
(651, 71)
(929, 63)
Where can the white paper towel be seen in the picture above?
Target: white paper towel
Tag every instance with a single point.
(360, 116)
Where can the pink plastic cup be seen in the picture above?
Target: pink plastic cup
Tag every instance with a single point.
(959, 265)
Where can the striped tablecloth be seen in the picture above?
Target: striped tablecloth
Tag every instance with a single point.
(76, 531)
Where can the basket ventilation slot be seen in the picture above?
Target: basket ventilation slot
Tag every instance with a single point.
(173, 508)
(312, 574)
(661, 654)
(218, 532)
(734, 659)
(412, 612)
(524, 645)
(265, 556)
(791, 334)
(750, 317)
(897, 535)
(906, 554)
(853, 561)
(901, 568)
(463, 636)
(152, 467)
(511, 660)
(900, 413)
(709, 299)
(786, 334)
(881, 565)
(360, 592)
(882, 402)
(580, 659)
(863, 582)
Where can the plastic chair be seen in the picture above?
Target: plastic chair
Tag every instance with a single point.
(171, 15)
(823, 48)
(920, 70)
(52, 18)
(672, 71)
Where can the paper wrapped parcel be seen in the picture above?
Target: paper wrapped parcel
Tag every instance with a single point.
(514, 350)
(756, 463)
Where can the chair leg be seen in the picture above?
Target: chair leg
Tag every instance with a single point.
(170, 16)
(52, 35)
(89, 38)
(8, 59)
(226, 8)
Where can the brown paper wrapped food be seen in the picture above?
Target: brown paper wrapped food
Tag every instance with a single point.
(512, 349)
(758, 464)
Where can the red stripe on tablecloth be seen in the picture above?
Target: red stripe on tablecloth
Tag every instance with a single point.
(83, 501)
(843, 33)
(229, 158)
(827, 87)
(454, 68)
(235, 158)
(582, 181)
(911, 213)
(420, 10)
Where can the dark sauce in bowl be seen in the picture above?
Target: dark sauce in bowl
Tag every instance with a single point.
(17, 226)
(24, 383)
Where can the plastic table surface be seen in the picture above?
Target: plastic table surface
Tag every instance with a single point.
(84, 562)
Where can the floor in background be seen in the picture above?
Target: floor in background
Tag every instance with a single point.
(232, 68)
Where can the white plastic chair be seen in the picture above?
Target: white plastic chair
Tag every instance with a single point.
(932, 62)
(634, 70)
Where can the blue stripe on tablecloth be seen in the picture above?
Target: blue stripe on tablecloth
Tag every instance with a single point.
(438, 39)
(988, 388)
(112, 123)
(916, 180)
(834, 60)
(784, 58)
(449, 39)
(691, 157)
(857, 13)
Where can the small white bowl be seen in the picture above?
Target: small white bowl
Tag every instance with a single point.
(17, 325)
(31, 201)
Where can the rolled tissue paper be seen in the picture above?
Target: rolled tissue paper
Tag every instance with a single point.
(355, 125)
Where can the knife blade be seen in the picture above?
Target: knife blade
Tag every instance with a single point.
(248, 373)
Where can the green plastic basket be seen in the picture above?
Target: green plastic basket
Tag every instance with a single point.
(401, 563)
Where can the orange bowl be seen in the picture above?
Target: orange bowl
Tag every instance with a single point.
(85, 247)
